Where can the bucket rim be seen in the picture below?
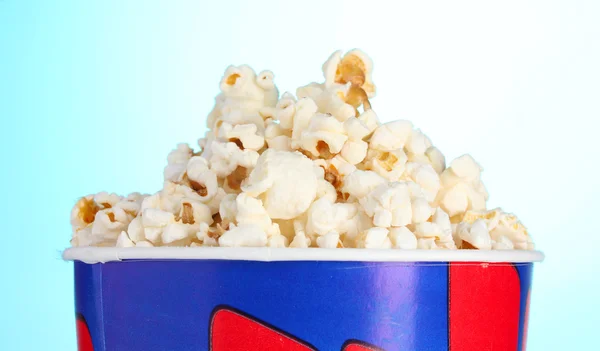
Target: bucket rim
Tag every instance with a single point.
(266, 254)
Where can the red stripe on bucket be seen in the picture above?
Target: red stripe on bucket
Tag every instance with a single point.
(484, 307)
(84, 339)
(231, 331)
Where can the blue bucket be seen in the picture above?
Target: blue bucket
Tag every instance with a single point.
(230, 299)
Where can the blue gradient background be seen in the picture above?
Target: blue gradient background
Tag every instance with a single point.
(94, 94)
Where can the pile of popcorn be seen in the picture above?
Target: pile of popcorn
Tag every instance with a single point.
(316, 169)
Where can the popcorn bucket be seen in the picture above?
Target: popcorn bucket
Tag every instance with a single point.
(230, 299)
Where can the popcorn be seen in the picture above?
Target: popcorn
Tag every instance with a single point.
(267, 113)
(106, 200)
(143, 244)
(277, 137)
(250, 235)
(169, 198)
(311, 170)
(238, 117)
(442, 220)
(369, 118)
(201, 179)
(474, 236)
(124, 241)
(299, 223)
(131, 204)
(82, 236)
(169, 219)
(230, 162)
(427, 244)
(136, 197)
(205, 143)
(135, 230)
(360, 183)
(402, 238)
(154, 222)
(312, 91)
(243, 210)
(108, 224)
(342, 167)
(326, 190)
(84, 212)
(227, 157)
(277, 241)
(208, 236)
(510, 228)
(333, 101)
(331, 240)
(354, 151)
(439, 229)
(217, 111)
(305, 110)
(174, 232)
(187, 222)
(174, 196)
(286, 182)
(177, 161)
(421, 209)
(99, 219)
(417, 144)
(388, 164)
(491, 218)
(355, 67)
(193, 212)
(462, 189)
(215, 203)
(374, 238)
(356, 129)
(436, 159)
(394, 144)
(197, 183)
(325, 216)
(152, 201)
(228, 208)
(245, 90)
(391, 136)
(300, 241)
(265, 81)
(285, 110)
(355, 148)
(324, 137)
(396, 204)
(286, 227)
(502, 243)
(334, 172)
(245, 136)
(425, 176)
(251, 211)
(504, 228)
(116, 212)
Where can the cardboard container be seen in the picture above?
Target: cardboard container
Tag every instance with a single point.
(230, 299)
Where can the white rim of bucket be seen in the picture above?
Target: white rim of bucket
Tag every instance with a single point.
(266, 254)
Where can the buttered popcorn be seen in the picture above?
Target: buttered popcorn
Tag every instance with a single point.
(312, 170)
